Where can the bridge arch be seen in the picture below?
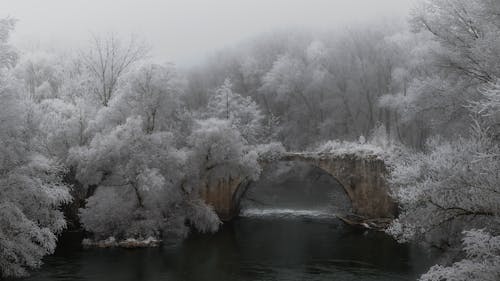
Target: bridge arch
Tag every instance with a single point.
(299, 185)
(362, 177)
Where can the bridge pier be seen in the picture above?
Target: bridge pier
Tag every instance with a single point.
(224, 196)
(364, 181)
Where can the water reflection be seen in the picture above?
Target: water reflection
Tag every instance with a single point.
(288, 231)
(249, 249)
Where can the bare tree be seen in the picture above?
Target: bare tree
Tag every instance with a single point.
(108, 59)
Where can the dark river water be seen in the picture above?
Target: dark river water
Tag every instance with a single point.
(264, 247)
(288, 231)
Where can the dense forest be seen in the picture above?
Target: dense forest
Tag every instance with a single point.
(106, 140)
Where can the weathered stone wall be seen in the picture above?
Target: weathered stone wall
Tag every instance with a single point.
(363, 178)
(224, 197)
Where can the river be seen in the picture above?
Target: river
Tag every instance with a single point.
(260, 246)
(287, 231)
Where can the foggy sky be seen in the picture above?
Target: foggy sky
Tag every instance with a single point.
(181, 31)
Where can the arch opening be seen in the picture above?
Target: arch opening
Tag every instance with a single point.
(294, 188)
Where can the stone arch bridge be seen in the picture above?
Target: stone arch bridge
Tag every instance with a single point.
(362, 177)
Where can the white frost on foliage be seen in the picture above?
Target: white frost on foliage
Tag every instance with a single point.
(242, 112)
(23, 242)
(109, 212)
(482, 262)
(31, 186)
(220, 151)
(378, 145)
(452, 187)
(489, 105)
(140, 183)
(203, 217)
(270, 151)
(336, 147)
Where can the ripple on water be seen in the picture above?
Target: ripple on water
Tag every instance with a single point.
(286, 213)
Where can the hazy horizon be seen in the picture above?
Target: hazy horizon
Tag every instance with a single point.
(182, 32)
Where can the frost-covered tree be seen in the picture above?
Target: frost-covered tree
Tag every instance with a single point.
(139, 178)
(454, 54)
(120, 158)
(482, 262)
(447, 83)
(468, 31)
(65, 125)
(107, 60)
(41, 75)
(242, 112)
(453, 184)
(154, 92)
(285, 84)
(219, 152)
(8, 55)
(31, 187)
(450, 188)
(488, 107)
(31, 192)
(414, 103)
(319, 86)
